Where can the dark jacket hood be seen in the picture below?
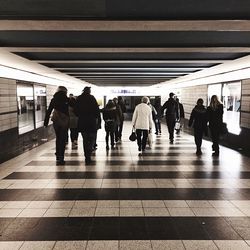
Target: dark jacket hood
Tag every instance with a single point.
(60, 95)
(200, 109)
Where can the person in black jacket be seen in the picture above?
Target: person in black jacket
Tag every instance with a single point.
(60, 118)
(87, 110)
(198, 120)
(171, 115)
(109, 117)
(119, 120)
(157, 120)
(215, 119)
(123, 110)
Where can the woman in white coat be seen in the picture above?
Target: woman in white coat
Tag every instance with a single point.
(142, 122)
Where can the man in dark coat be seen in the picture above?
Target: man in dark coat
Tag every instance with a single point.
(172, 115)
(87, 110)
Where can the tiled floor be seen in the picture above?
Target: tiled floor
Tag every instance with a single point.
(167, 198)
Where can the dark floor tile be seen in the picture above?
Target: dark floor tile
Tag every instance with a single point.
(179, 194)
(20, 229)
(17, 194)
(123, 194)
(157, 162)
(206, 175)
(190, 228)
(218, 228)
(161, 228)
(105, 228)
(25, 175)
(4, 223)
(235, 194)
(121, 175)
(243, 232)
(87, 194)
(210, 193)
(144, 193)
(53, 163)
(109, 194)
(238, 221)
(133, 228)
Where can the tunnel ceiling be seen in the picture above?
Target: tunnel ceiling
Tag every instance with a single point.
(126, 43)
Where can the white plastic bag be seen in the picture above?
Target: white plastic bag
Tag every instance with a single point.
(177, 126)
(150, 139)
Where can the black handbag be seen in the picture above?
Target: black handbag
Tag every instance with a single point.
(224, 129)
(132, 137)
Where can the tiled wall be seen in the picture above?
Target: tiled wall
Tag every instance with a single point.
(189, 97)
(50, 91)
(11, 143)
(245, 104)
(8, 104)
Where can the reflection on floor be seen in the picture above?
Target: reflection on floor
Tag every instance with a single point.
(166, 198)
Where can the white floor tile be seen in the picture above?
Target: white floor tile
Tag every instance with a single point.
(38, 245)
(101, 245)
(199, 244)
(232, 244)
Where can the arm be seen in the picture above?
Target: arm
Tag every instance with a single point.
(163, 108)
(150, 121)
(191, 119)
(48, 113)
(134, 118)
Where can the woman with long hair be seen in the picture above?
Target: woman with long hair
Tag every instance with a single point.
(215, 119)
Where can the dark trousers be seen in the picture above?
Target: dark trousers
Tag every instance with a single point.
(120, 127)
(198, 138)
(157, 126)
(215, 135)
(116, 133)
(171, 124)
(73, 134)
(61, 136)
(110, 134)
(88, 143)
(142, 136)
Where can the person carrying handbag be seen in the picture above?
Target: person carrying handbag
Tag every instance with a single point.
(60, 117)
(142, 122)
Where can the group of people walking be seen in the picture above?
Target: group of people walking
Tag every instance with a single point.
(199, 120)
(82, 114)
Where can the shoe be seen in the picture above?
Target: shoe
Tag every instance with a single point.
(171, 141)
(60, 162)
(215, 154)
(198, 152)
(156, 133)
(88, 161)
(139, 148)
